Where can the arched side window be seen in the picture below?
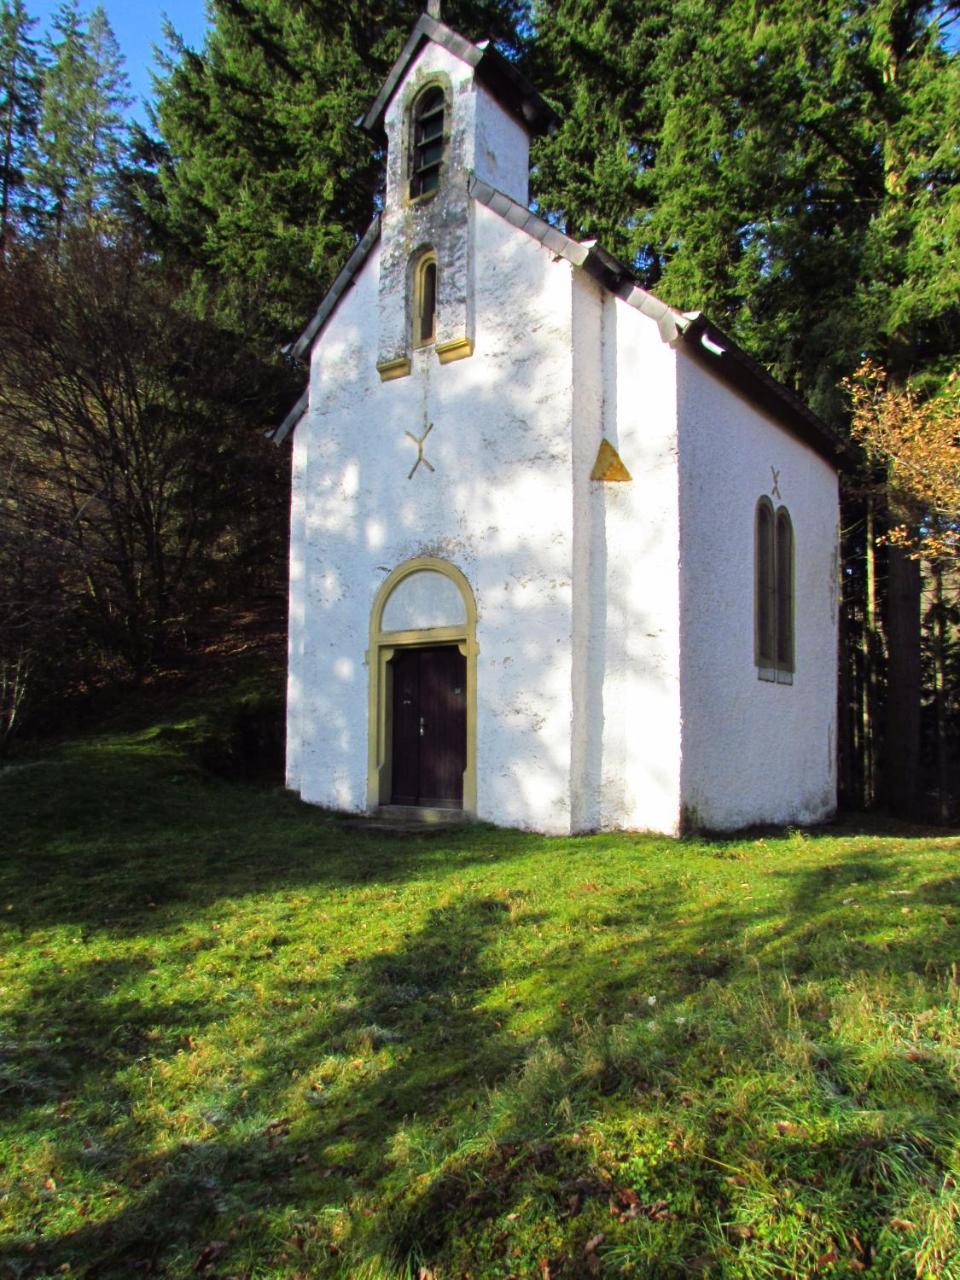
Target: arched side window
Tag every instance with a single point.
(427, 129)
(424, 309)
(784, 591)
(773, 593)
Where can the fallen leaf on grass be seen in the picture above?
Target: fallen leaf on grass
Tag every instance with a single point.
(903, 1224)
(209, 1254)
(590, 1254)
(786, 1126)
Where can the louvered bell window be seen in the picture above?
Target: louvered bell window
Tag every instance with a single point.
(427, 156)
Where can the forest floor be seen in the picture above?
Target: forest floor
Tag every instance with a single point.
(239, 1039)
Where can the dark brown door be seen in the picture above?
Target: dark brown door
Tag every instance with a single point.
(429, 727)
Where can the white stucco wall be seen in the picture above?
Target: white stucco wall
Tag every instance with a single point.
(616, 684)
(642, 678)
(499, 148)
(753, 751)
(498, 505)
(626, 595)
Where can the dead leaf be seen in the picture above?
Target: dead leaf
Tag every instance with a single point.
(594, 1243)
(544, 1269)
(831, 1256)
(209, 1254)
(785, 1126)
(903, 1224)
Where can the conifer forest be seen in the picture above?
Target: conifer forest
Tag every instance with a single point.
(792, 168)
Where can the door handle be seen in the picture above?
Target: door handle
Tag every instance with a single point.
(421, 727)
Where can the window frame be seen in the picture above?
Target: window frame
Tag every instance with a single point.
(423, 262)
(774, 594)
(417, 172)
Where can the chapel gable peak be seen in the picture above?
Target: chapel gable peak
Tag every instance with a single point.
(490, 69)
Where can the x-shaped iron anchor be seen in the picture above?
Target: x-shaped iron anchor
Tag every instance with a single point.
(418, 441)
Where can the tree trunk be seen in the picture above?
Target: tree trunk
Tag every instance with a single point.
(940, 694)
(902, 722)
(870, 645)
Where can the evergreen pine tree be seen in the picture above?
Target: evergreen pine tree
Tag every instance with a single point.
(807, 183)
(82, 134)
(19, 111)
(593, 175)
(268, 181)
(102, 140)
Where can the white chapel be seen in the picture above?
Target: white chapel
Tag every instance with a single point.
(562, 557)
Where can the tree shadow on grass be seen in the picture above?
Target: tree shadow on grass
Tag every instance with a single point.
(75, 1028)
(134, 850)
(402, 1041)
(407, 1034)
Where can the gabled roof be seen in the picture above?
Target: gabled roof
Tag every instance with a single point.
(490, 68)
(339, 287)
(702, 339)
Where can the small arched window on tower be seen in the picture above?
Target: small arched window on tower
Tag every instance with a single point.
(427, 141)
(425, 299)
(774, 593)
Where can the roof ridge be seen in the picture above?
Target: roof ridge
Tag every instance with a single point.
(506, 83)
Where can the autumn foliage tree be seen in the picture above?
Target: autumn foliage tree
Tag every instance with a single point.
(916, 441)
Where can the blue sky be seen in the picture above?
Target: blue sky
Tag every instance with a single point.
(138, 26)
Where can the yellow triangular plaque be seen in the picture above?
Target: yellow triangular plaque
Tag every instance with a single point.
(608, 465)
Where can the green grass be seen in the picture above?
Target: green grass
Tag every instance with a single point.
(241, 1040)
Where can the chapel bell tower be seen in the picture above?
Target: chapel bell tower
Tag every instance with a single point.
(448, 112)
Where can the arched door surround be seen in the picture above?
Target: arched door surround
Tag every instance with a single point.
(425, 604)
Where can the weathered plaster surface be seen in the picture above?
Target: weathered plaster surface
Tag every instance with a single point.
(641, 776)
(615, 678)
(421, 601)
(482, 138)
(297, 610)
(497, 506)
(753, 751)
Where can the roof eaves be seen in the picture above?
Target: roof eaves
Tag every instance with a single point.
(339, 287)
(510, 87)
(602, 266)
(708, 344)
(290, 421)
(704, 340)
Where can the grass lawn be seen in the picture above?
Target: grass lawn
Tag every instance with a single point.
(239, 1039)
